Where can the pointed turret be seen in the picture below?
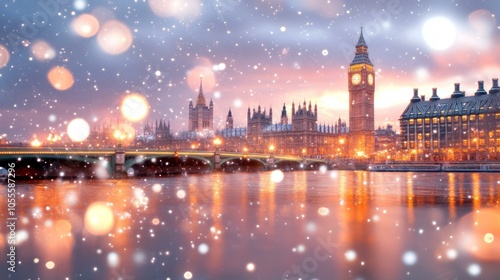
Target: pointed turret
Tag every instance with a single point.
(200, 101)
(361, 55)
(229, 120)
(284, 118)
(361, 40)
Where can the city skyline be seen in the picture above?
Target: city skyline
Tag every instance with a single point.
(259, 53)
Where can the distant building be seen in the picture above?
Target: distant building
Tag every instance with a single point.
(386, 143)
(457, 128)
(201, 116)
(302, 137)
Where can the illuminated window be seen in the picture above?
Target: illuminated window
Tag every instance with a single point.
(472, 118)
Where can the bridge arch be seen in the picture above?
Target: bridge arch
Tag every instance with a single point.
(95, 160)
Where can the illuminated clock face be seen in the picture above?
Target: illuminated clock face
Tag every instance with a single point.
(370, 79)
(356, 79)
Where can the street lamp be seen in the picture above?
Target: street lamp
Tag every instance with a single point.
(217, 143)
(270, 161)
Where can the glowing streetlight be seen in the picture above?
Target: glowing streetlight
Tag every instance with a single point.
(271, 148)
(36, 143)
(217, 143)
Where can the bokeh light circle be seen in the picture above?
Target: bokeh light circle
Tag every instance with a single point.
(99, 219)
(203, 248)
(43, 51)
(50, 265)
(85, 25)
(134, 107)
(60, 78)
(114, 37)
(277, 176)
(183, 10)
(323, 211)
(188, 275)
(78, 130)
(439, 33)
(4, 56)
(410, 258)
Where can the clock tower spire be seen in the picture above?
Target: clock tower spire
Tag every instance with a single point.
(361, 102)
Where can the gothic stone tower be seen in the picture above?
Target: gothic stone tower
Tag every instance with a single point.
(361, 102)
(201, 116)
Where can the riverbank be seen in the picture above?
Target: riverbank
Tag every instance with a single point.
(435, 167)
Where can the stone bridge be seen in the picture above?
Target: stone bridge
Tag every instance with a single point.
(105, 163)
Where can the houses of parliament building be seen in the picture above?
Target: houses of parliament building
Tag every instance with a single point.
(290, 132)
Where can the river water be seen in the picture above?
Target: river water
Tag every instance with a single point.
(267, 225)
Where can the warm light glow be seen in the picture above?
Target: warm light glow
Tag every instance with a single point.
(277, 176)
(488, 238)
(36, 143)
(85, 25)
(439, 33)
(53, 138)
(271, 148)
(78, 130)
(183, 10)
(323, 211)
(217, 142)
(60, 78)
(43, 51)
(4, 56)
(134, 107)
(50, 265)
(114, 37)
(250, 267)
(206, 72)
(99, 218)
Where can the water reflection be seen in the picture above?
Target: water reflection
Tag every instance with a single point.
(310, 225)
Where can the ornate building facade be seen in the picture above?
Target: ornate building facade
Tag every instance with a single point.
(361, 102)
(457, 128)
(302, 137)
(201, 116)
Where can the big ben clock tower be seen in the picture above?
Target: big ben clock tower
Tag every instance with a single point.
(361, 102)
